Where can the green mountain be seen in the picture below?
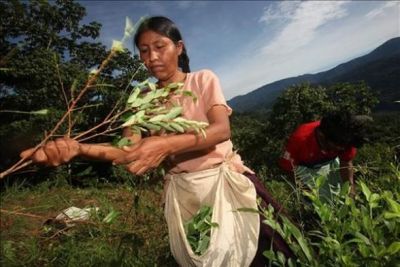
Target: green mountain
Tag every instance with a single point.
(380, 69)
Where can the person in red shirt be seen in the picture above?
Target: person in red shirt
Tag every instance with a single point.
(325, 147)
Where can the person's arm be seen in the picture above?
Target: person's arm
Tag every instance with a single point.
(62, 150)
(347, 174)
(151, 151)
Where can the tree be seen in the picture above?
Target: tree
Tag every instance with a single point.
(46, 56)
(303, 103)
(249, 138)
(357, 98)
(297, 104)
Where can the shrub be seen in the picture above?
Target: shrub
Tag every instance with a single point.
(347, 232)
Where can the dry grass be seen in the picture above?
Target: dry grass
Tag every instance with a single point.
(136, 237)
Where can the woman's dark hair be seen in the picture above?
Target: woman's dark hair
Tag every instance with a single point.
(344, 128)
(167, 28)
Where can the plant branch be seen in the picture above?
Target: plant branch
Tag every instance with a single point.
(71, 107)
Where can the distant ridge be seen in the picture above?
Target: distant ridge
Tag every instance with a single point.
(380, 69)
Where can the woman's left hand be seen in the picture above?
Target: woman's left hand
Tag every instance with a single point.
(147, 154)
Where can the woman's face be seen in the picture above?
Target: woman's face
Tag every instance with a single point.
(159, 54)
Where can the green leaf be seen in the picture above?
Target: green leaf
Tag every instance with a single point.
(281, 258)
(320, 181)
(374, 198)
(134, 96)
(117, 46)
(165, 126)
(159, 93)
(203, 245)
(158, 118)
(124, 117)
(129, 28)
(291, 262)
(177, 127)
(393, 248)
(173, 113)
(394, 206)
(299, 237)
(174, 86)
(310, 195)
(124, 141)
(198, 229)
(391, 215)
(132, 119)
(150, 126)
(136, 103)
(152, 86)
(40, 112)
(85, 172)
(365, 190)
(203, 133)
(269, 254)
(363, 238)
(111, 216)
(74, 86)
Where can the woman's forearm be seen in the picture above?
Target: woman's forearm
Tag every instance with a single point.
(217, 132)
(103, 152)
(182, 143)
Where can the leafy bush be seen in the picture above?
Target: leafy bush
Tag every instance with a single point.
(347, 231)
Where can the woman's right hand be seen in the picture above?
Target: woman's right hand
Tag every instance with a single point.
(54, 153)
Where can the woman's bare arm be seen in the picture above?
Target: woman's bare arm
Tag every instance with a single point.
(149, 152)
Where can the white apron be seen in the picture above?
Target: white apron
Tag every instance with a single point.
(234, 241)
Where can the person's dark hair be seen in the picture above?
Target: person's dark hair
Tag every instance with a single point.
(344, 128)
(167, 28)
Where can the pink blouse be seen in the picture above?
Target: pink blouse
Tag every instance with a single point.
(206, 87)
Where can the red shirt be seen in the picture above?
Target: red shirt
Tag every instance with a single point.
(303, 149)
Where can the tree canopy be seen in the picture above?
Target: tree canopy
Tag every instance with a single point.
(46, 56)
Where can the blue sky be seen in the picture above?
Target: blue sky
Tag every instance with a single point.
(252, 43)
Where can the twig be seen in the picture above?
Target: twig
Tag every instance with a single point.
(22, 214)
(107, 131)
(104, 122)
(64, 94)
(60, 232)
(3, 60)
(126, 88)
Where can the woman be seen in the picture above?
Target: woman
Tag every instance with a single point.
(201, 170)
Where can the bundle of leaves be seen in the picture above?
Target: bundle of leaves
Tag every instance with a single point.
(150, 110)
(198, 230)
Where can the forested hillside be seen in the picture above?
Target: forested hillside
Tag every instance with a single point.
(379, 70)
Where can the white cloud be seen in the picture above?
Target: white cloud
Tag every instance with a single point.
(304, 22)
(279, 11)
(379, 11)
(327, 44)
